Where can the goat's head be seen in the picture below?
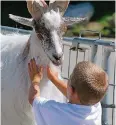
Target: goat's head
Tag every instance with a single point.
(49, 25)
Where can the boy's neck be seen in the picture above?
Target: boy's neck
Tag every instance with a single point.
(73, 101)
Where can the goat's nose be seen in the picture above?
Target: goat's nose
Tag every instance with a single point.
(57, 56)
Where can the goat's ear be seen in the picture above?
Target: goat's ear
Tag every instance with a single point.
(61, 5)
(21, 20)
(74, 20)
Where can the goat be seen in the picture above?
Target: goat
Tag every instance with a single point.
(44, 44)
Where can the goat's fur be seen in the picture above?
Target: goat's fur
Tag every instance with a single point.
(15, 80)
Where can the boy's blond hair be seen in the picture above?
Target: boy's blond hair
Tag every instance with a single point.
(89, 81)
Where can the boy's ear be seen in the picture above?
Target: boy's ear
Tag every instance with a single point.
(71, 90)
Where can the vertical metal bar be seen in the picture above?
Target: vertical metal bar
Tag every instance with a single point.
(93, 53)
(77, 52)
(114, 98)
(105, 66)
(69, 62)
(88, 53)
(84, 55)
(113, 110)
(115, 84)
(62, 65)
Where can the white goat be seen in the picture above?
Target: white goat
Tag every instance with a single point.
(44, 44)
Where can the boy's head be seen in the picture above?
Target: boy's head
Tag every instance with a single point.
(89, 82)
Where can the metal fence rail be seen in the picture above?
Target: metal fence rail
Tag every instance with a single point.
(97, 50)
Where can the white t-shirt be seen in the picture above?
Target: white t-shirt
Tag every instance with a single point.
(50, 112)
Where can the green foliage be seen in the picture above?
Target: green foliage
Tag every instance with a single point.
(105, 24)
(105, 20)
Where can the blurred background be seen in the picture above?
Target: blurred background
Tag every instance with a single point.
(101, 16)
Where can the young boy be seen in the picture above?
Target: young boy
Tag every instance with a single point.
(86, 87)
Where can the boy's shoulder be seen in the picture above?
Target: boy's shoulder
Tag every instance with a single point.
(42, 102)
(66, 113)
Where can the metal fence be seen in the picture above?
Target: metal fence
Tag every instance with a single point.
(97, 50)
(101, 52)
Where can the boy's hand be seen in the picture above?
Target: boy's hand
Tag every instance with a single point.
(60, 84)
(35, 73)
(51, 74)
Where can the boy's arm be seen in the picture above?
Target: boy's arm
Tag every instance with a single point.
(60, 84)
(34, 92)
(35, 74)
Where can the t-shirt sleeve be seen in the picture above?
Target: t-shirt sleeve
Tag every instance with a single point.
(39, 101)
(39, 106)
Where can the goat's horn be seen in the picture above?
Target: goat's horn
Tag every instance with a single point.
(61, 5)
(36, 8)
(21, 20)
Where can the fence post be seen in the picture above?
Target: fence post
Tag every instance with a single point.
(114, 121)
(105, 66)
(93, 53)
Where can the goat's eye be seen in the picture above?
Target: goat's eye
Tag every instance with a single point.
(63, 28)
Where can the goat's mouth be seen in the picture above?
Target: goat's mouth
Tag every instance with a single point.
(57, 62)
